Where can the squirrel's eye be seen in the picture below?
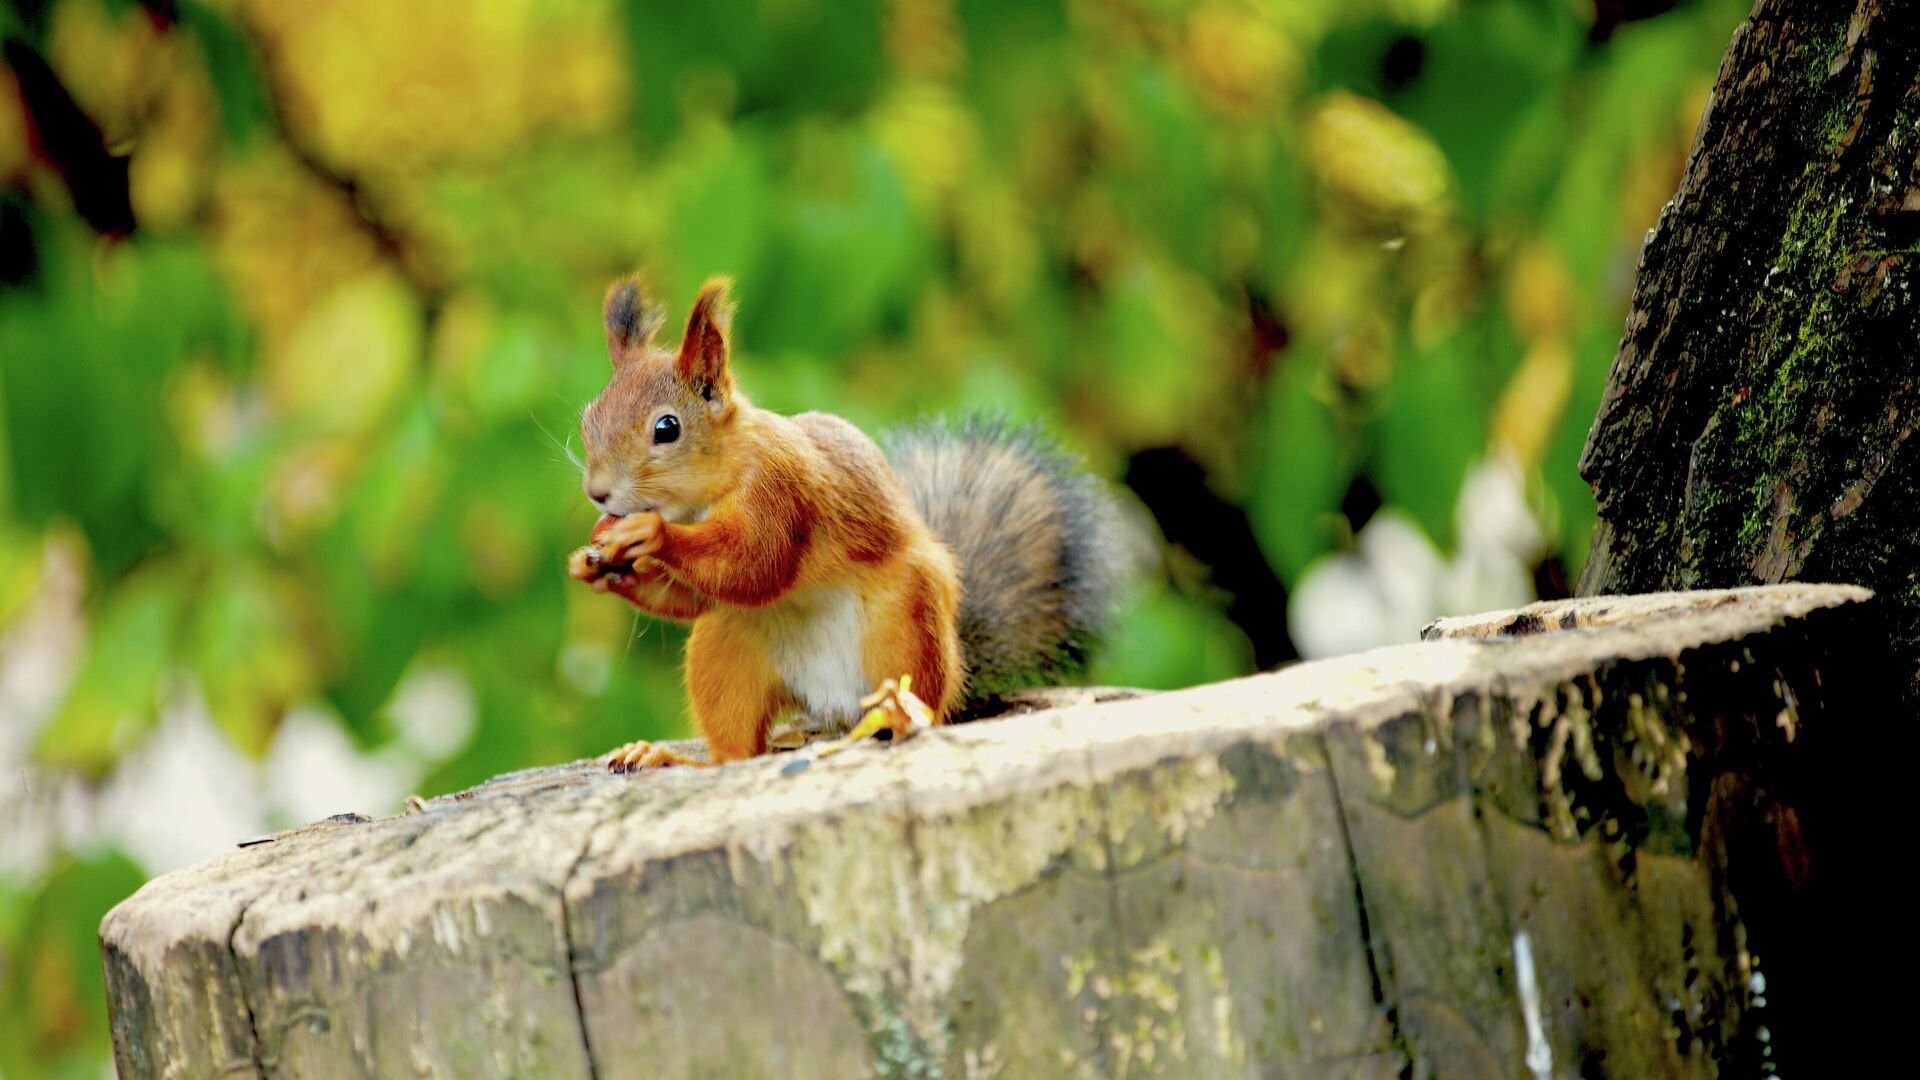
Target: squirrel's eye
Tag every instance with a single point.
(666, 429)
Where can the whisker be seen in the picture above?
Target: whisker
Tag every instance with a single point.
(566, 448)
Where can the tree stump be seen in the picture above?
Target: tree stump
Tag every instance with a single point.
(1566, 840)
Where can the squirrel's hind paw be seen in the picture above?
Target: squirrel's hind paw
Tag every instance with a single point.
(893, 708)
(641, 754)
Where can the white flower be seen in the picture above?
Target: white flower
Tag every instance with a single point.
(1395, 581)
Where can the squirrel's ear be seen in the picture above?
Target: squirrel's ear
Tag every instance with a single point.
(632, 319)
(703, 352)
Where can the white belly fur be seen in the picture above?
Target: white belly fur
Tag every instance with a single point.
(815, 645)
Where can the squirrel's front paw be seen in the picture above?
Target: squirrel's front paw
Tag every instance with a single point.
(588, 564)
(642, 754)
(635, 536)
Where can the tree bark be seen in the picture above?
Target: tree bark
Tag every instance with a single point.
(1756, 422)
(1574, 839)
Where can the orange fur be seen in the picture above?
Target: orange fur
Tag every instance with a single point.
(755, 520)
(734, 692)
(918, 640)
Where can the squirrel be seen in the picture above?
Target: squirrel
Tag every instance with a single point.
(969, 558)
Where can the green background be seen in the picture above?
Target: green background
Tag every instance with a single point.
(306, 430)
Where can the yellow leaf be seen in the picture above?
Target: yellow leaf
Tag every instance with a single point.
(393, 89)
(351, 356)
(1539, 294)
(932, 138)
(1240, 58)
(1375, 160)
(283, 239)
(109, 61)
(250, 656)
(924, 39)
(169, 168)
(1529, 408)
(13, 128)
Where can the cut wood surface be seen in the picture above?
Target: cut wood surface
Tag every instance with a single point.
(1496, 853)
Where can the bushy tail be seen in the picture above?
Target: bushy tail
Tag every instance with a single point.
(1042, 549)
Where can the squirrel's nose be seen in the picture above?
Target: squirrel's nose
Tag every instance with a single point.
(599, 494)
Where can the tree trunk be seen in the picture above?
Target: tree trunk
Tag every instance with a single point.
(1574, 839)
(1756, 419)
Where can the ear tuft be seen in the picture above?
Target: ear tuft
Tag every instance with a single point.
(703, 352)
(632, 319)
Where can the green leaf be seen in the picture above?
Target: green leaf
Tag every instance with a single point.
(20, 562)
(84, 368)
(1301, 469)
(1164, 641)
(249, 655)
(787, 59)
(846, 249)
(1481, 72)
(1165, 173)
(230, 67)
(111, 704)
(719, 222)
(53, 1008)
(1433, 428)
(1156, 355)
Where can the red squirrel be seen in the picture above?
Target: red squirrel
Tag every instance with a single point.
(969, 558)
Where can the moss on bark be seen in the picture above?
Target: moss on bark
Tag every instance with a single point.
(1756, 421)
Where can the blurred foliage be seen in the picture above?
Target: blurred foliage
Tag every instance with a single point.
(308, 425)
